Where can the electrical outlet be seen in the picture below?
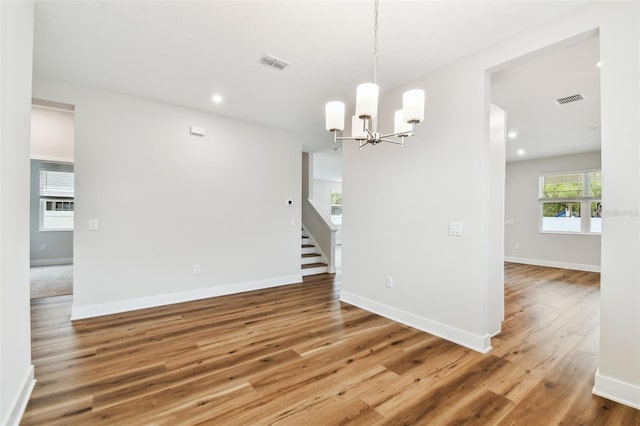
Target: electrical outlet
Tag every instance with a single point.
(516, 246)
(43, 247)
(389, 281)
(196, 269)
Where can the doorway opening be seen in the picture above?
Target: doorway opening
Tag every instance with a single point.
(552, 199)
(327, 192)
(52, 198)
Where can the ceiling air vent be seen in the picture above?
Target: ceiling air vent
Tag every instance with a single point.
(570, 99)
(273, 62)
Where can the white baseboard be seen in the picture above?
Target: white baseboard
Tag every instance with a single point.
(616, 390)
(472, 341)
(553, 264)
(97, 310)
(52, 262)
(22, 399)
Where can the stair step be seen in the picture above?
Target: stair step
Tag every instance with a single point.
(307, 245)
(313, 265)
(314, 269)
(308, 258)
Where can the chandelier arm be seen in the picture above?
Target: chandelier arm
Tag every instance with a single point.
(363, 144)
(392, 141)
(370, 134)
(345, 138)
(367, 125)
(398, 135)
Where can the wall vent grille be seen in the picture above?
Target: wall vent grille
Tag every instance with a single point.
(273, 62)
(570, 99)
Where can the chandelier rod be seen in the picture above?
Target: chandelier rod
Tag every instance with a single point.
(375, 42)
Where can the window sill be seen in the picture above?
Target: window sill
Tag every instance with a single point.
(55, 230)
(590, 234)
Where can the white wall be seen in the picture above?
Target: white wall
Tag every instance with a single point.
(521, 217)
(442, 282)
(497, 158)
(618, 375)
(52, 135)
(327, 165)
(16, 371)
(398, 204)
(166, 201)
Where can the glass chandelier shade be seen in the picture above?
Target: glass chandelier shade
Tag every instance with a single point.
(334, 115)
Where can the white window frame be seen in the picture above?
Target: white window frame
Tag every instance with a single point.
(44, 198)
(584, 201)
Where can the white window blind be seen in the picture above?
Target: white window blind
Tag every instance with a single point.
(562, 186)
(56, 184)
(594, 184)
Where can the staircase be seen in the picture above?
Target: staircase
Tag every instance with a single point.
(312, 261)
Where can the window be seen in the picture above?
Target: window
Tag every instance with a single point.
(336, 208)
(56, 200)
(570, 203)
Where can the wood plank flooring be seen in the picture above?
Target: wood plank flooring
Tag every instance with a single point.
(295, 355)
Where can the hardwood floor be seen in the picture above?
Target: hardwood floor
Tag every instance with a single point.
(295, 355)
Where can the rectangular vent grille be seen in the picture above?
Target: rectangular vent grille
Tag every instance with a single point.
(273, 62)
(570, 99)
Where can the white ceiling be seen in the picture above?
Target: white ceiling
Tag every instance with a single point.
(182, 52)
(527, 92)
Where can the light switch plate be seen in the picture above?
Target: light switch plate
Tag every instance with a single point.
(196, 131)
(455, 229)
(93, 224)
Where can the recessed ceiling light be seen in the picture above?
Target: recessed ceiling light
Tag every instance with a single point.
(599, 64)
(521, 152)
(512, 134)
(217, 98)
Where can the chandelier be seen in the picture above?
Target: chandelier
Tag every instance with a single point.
(364, 122)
